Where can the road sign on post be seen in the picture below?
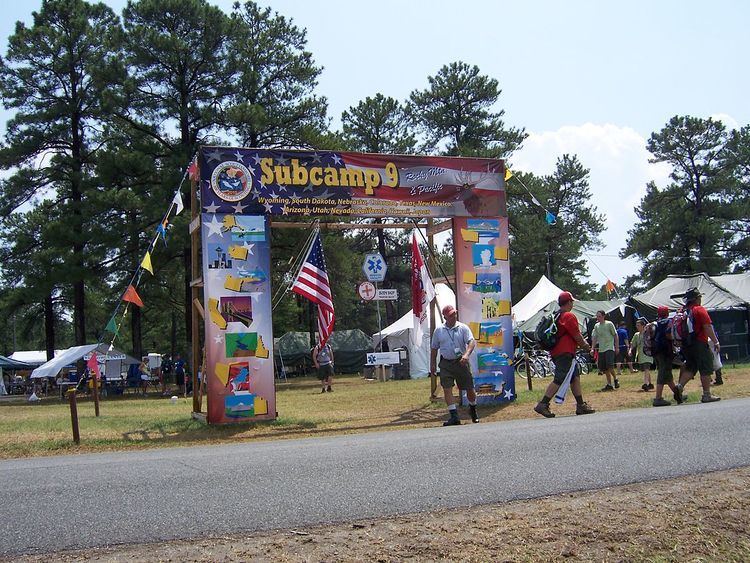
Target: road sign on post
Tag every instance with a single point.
(386, 295)
(374, 268)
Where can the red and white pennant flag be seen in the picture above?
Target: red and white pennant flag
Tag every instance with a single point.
(422, 292)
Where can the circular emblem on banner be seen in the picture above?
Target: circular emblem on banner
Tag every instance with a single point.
(231, 181)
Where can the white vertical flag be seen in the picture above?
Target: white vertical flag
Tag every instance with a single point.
(422, 292)
(178, 202)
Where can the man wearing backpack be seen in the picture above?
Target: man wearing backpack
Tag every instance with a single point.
(604, 335)
(663, 354)
(568, 338)
(698, 356)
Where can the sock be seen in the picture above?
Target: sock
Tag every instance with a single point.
(546, 400)
(579, 399)
(452, 408)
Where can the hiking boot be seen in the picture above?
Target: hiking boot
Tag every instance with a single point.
(543, 409)
(474, 415)
(650, 387)
(709, 398)
(617, 383)
(608, 387)
(718, 380)
(644, 387)
(453, 420)
(678, 396)
(661, 402)
(329, 389)
(323, 390)
(584, 408)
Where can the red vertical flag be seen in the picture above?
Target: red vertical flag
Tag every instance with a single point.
(312, 284)
(93, 365)
(422, 292)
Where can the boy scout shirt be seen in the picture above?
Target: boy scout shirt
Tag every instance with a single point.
(448, 339)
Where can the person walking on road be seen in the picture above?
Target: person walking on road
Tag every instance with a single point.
(663, 356)
(568, 339)
(698, 356)
(456, 343)
(641, 360)
(605, 336)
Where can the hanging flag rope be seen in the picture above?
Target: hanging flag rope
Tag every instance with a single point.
(130, 295)
(550, 217)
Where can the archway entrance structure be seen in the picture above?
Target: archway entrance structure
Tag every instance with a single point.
(238, 191)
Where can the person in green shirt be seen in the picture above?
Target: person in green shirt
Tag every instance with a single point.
(640, 359)
(604, 336)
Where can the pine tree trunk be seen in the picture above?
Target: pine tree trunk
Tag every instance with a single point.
(49, 327)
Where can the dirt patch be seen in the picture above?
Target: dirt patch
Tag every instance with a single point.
(697, 518)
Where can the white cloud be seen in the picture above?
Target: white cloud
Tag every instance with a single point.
(728, 121)
(618, 161)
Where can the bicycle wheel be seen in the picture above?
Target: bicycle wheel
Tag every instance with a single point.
(584, 365)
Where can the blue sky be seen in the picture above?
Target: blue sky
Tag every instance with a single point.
(583, 77)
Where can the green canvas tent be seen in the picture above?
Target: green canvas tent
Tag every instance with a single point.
(350, 347)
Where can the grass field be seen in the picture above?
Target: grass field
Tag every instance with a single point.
(355, 406)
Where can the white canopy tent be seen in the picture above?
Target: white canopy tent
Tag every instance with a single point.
(34, 357)
(398, 335)
(541, 295)
(112, 360)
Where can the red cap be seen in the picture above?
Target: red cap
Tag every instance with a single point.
(565, 297)
(662, 312)
(448, 310)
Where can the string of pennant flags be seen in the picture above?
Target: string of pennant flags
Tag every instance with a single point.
(549, 216)
(130, 295)
(551, 219)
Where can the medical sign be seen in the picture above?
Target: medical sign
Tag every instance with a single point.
(374, 268)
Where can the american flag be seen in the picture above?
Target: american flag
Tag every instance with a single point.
(312, 283)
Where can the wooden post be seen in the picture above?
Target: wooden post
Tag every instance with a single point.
(197, 291)
(95, 391)
(528, 370)
(431, 268)
(74, 415)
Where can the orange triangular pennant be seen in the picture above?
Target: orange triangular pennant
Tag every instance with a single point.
(132, 296)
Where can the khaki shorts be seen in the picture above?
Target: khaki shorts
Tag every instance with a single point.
(453, 372)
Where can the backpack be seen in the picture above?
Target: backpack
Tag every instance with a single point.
(660, 342)
(648, 339)
(546, 331)
(682, 329)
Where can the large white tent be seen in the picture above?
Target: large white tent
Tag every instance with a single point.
(398, 335)
(112, 360)
(541, 295)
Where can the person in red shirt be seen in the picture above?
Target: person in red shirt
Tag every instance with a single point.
(569, 338)
(698, 356)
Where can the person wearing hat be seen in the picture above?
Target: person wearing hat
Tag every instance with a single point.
(455, 342)
(663, 355)
(698, 356)
(569, 337)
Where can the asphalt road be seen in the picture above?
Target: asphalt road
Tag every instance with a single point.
(50, 504)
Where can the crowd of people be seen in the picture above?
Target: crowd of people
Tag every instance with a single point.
(694, 350)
